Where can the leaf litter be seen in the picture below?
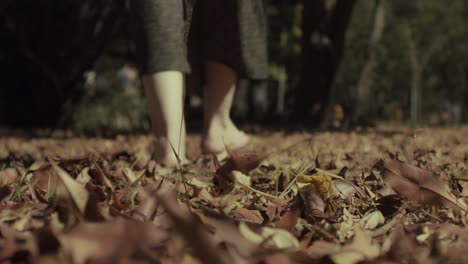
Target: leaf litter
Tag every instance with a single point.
(392, 196)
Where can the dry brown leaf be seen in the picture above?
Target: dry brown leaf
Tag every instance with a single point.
(13, 242)
(227, 232)
(362, 248)
(272, 238)
(372, 220)
(242, 161)
(418, 185)
(289, 220)
(321, 248)
(109, 241)
(402, 244)
(275, 207)
(247, 215)
(314, 204)
(149, 204)
(27, 202)
(343, 189)
(72, 189)
(191, 230)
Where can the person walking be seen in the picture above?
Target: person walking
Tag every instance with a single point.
(226, 42)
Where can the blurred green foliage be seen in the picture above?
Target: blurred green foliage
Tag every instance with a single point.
(284, 39)
(108, 105)
(434, 31)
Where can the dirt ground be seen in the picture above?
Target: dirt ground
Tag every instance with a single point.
(390, 194)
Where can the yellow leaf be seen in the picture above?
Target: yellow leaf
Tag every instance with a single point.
(321, 182)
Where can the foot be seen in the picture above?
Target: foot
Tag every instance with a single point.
(218, 137)
(164, 155)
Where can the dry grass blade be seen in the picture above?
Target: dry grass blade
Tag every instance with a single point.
(179, 163)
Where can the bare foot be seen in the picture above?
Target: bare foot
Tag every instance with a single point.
(217, 137)
(164, 154)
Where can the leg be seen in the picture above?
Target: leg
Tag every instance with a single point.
(164, 91)
(159, 30)
(218, 128)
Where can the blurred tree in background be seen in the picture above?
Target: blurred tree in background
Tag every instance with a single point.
(421, 60)
(61, 62)
(324, 26)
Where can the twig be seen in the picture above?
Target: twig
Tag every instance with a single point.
(291, 183)
(431, 215)
(257, 191)
(277, 183)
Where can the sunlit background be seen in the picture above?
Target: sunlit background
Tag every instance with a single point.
(69, 64)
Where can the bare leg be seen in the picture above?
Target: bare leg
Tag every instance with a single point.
(218, 128)
(164, 91)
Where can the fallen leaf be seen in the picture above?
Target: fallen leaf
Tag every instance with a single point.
(343, 189)
(402, 244)
(362, 248)
(247, 215)
(289, 219)
(191, 230)
(244, 161)
(76, 191)
(418, 185)
(8, 176)
(109, 241)
(241, 178)
(275, 207)
(372, 220)
(273, 238)
(314, 204)
(240, 161)
(322, 183)
(196, 182)
(226, 231)
(321, 248)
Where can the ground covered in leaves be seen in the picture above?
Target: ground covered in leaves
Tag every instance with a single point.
(389, 195)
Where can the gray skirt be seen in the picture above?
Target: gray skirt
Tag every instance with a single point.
(232, 32)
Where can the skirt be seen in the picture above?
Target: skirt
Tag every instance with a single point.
(232, 32)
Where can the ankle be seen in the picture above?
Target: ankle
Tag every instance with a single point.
(218, 136)
(167, 152)
(218, 123)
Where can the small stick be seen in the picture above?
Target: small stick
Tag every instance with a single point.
(286, 190)
(257, 191)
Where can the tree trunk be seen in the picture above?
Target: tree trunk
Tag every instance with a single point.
(464, 99)
(417, 69)
(363, 101)
(323, 39)
(416, 90)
